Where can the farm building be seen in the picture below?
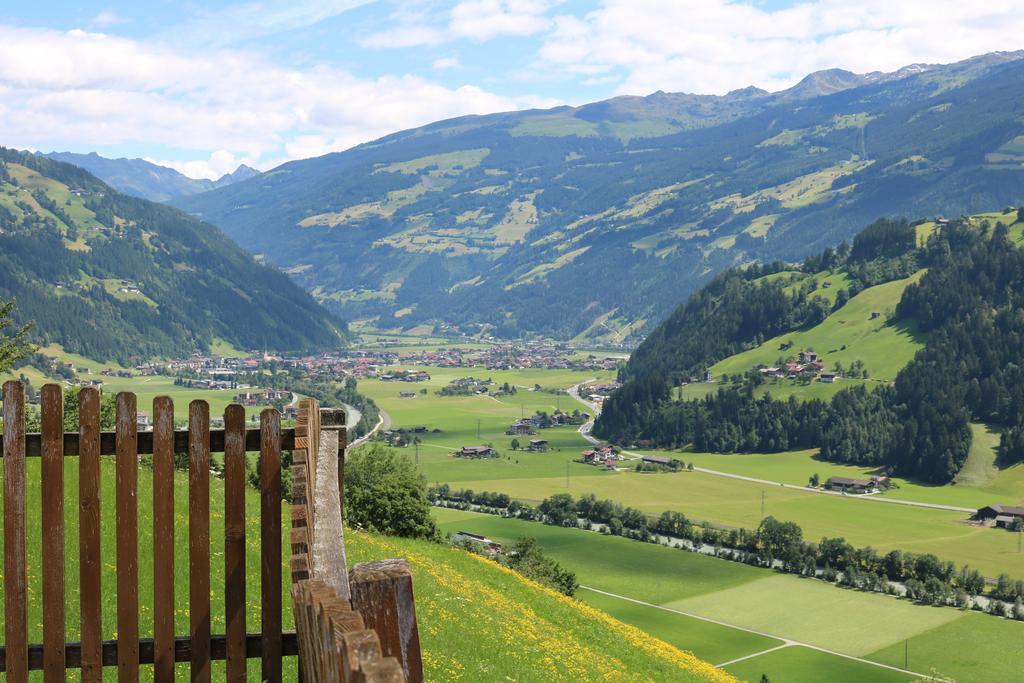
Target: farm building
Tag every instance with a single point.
(537, 445)
(491, 547)
(1002, 515)
(657, 460)
(828, 377)
(524, 427)
(850, 485)
(476, 452)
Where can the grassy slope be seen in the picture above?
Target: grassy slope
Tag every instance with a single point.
(477, 620)
(883, 347)
(861, 624)
(480, 621)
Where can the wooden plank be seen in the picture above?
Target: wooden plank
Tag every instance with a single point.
(108, 442)
(127, 470)
(182, 650)
(382, 593)
(270, 543)
(234, 540)
(15, 559)
(52, 401)
(199, 537)
(163, 535)
(89, 535)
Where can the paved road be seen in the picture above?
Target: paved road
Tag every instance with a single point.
(787, 642)
(383, 422)
(585, 433)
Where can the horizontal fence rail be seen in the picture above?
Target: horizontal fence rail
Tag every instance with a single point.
(108, 442)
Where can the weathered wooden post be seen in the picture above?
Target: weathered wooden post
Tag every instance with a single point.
(329, 561)
(335, 419)
(382, 592)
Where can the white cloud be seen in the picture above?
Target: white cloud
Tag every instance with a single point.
(218, 163)
(77, 90)
(712, 46)
(247, 21)
(476, 20)
(447, 63)
(108, 18)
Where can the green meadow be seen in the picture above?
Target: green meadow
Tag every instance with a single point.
(847, 335)
(738, 503)
(859, 624)
(483, 419)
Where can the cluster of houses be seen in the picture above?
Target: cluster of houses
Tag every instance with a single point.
(806, 362)
(1003, 516)
(603, 456)
(467, 385)
(528, 426)
(854, 485)
(400, 375)
(256, 398)
(542, 355)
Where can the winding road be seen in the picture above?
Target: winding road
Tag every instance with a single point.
(585, 433)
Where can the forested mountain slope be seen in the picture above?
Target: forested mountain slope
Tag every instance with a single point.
(141, 178)
(961, 301)
(594, 220)
(114, 277)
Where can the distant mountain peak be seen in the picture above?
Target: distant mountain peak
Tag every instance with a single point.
(243, 172)
(145, 179)
(749, 91)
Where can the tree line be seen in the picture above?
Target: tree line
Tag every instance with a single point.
(776, 544)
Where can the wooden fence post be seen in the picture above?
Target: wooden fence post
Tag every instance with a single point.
(53, 531)
(15, 548)
(382, 592)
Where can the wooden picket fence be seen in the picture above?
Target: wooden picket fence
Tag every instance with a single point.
(163, 649)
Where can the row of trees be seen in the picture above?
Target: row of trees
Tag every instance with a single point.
(777, 544)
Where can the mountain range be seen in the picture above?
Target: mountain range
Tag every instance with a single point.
(594, 221)
(114, 277)
(141, 178)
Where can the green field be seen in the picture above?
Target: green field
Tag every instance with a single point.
(460, 417)
(737, 503)
(846, 335)
(805, 664)
(866, 625)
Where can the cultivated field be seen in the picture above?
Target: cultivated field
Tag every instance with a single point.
(784, 608)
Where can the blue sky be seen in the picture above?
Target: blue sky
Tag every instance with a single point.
(203, 86)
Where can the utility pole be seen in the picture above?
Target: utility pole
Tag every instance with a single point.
(416, 443)
(567, 475)
(762, 503)
(906, 655)
(478, 429)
